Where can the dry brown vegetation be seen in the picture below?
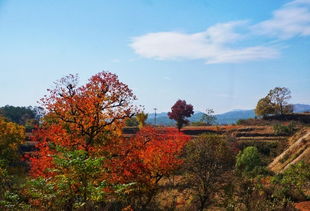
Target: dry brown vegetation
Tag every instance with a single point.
(298, 150)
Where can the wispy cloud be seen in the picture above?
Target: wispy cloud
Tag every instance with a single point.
(292, 19)
(167, 78)
(298, 2)
(212, 45)
(217, 44)
(116, 60)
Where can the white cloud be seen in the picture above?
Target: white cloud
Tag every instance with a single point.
(292, 19)
(217, 44)
(211, 45)
(298, 2)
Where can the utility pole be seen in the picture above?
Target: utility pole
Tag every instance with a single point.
(155, 109)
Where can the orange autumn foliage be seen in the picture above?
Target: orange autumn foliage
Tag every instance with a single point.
(85, 123)
(81, 117)
(148, 156)
(87, 111)
(47, 138)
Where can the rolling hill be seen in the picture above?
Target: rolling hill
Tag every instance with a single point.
(230, 117)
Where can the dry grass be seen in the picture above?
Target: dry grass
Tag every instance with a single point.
(298, 150)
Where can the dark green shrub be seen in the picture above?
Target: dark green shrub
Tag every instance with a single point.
(247, 161)
(241, 122)
(284, 130)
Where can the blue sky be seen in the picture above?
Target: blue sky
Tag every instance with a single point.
(214, 54)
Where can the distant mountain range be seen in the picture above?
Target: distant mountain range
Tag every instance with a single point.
(230, 117)
(301, 108)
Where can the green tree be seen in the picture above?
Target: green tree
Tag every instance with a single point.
(275, 102)
(265, 107)
(74, 185)
(248, 161)
(21, 115)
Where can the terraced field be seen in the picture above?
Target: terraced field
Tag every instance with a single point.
(299, 149)
(240, 133)
(262, 137)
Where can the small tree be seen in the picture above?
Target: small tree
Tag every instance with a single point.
(248, 160)
(74, 184)
(141, 117)
(132, 122)
(206, 157)
(279, 97)
(265, 107)
(179, 111)
(275, 102)
(208, 117)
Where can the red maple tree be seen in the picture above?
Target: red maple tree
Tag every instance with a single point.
(81, 117)
(145, 158)
(179, 111)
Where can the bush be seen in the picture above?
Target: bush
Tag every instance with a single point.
(248, 161)
(241, 121)
(132, 122)
(199, 124)
(293, 182)
(279, 129)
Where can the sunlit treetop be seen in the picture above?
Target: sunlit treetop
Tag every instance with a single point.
(101, 105)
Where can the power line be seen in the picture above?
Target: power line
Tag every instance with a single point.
(155, 109)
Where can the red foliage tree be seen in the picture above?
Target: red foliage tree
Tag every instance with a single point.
(81, 117)
(100, 105)
(146, 157)
(179, 111)
(89, 118)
